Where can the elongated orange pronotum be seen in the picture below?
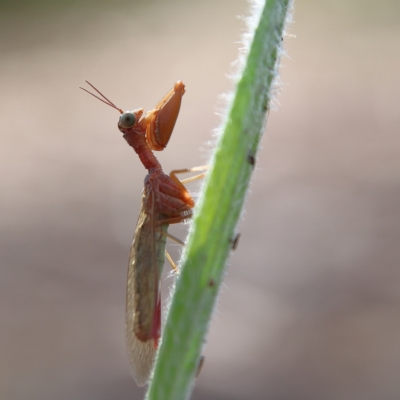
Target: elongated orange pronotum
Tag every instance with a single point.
(165, 201)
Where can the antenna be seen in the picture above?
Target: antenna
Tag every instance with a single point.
(106, 101)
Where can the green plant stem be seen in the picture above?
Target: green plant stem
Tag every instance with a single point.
(218, 211)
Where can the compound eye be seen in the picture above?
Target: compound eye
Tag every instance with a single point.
(127, 120)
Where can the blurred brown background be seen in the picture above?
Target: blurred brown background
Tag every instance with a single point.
(310, 308)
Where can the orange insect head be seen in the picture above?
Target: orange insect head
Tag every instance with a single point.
(158, 124)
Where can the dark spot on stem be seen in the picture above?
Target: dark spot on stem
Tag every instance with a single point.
(251, 159)
(200, 366)
(235, 241)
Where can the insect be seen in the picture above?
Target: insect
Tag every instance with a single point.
(165, 201)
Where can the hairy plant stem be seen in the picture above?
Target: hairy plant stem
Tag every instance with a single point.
(219, 209)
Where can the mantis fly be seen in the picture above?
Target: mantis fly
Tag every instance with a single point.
(165, 201)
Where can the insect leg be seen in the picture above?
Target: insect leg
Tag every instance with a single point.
(175, 172)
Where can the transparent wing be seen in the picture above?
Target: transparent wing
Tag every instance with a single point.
(142, 294)
(142, 355)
